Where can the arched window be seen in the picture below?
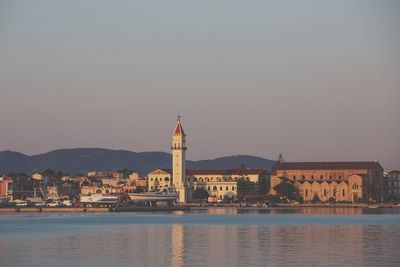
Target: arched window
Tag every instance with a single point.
(224, 179)
(220, 188)
(219, 179)
(166, 179)
(312, 177)
(194, 179)
(303, 177)
(321, 177)
(233, 188)
(208, 188)
(227, 188)
(151, 179)
(343, 192)
(324, 192)
(98, 191)
(215, 188)
(207, 179)
(201, 179)
(306, 192)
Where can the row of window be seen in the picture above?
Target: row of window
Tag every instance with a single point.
(230, 179)
(215, 188)
(355, 186)
(161, 179)
(321, 177)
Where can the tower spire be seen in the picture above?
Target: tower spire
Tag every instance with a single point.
(178, 128)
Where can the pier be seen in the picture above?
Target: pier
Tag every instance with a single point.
(112, 209)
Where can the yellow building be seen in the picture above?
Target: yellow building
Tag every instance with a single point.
(339, 181)
(229, 183)
(159, 178)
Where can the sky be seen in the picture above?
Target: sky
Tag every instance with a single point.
(313, 80)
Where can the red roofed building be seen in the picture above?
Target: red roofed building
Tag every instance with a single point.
(339, 181)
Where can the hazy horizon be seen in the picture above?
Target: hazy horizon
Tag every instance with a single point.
(313, 80)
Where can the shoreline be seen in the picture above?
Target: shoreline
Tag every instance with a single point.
(188, 207)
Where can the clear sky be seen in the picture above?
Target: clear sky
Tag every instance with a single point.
(314, 80)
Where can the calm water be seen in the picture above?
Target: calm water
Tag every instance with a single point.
(215, 237)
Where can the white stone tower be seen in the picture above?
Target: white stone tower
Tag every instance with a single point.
(178, 162)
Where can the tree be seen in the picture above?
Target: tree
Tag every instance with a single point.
(287, 190)
(139, 189)
(316, 199)
(200, 193)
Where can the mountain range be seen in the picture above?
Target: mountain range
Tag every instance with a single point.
(82, 160)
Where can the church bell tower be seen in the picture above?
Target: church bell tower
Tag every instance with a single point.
(178, 162)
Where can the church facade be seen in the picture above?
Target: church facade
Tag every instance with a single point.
(338, 181)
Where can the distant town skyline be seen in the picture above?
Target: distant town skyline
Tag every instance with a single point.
(313, 80)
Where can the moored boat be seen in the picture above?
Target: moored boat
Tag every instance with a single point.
(163, 194)
(99, 199)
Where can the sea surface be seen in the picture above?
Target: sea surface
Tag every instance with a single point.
(204, 237)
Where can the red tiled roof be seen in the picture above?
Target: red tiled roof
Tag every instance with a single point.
(327, 165)
(179, 129)
(246, 171)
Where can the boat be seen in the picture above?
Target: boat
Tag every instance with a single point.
(374, 206)
(163, 194)
(18, 203)
(99, 199)
(40, 204)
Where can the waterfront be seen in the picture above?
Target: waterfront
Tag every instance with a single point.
(204, 237)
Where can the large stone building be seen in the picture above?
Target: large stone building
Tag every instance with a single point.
(231, 183)
(219, 183)
(339, 181)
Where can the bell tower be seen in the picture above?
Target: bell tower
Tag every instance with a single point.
(178, 161)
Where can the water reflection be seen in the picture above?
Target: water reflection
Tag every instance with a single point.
(115, 240)
(177, 245)
(307, 210)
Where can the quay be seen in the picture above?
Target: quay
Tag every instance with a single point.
(112, 209)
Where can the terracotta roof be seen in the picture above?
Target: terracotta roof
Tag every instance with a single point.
(327, 165)
(178, 128)
(246, 171)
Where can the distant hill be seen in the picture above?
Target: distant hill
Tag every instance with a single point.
(82, 160)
